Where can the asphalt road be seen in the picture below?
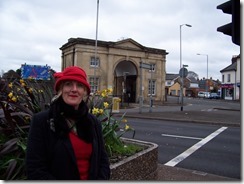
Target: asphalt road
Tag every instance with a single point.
(207, 116)
(193, 146)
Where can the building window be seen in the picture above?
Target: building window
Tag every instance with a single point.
(93, 62)
(153, 91)
(153, 68)
(228, 78)
(223, 78)
(168, 83)
(94, 83)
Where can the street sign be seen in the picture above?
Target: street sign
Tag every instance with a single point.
(145, 65)
(183, 72)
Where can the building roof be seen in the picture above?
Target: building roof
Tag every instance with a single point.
(171, 76)
(111, 44)
(231, 67)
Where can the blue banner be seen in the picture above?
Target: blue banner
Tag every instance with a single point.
(36, 72)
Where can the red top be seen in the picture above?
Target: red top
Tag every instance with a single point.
(83, 152)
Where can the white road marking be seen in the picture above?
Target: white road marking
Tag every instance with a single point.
(178, 136)
(195, 147)
(209, 110)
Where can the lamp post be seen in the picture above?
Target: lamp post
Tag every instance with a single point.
(181, 87)
(206, 86)
(188, 25)
(95, 65)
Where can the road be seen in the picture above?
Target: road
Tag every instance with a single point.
(205, 148)
(207, 129)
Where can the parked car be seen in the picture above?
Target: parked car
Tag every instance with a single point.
(214, 96)
(207, 95)
(201, 94)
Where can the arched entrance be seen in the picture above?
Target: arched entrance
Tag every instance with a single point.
(125, 75)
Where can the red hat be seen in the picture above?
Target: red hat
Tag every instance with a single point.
(72, 73)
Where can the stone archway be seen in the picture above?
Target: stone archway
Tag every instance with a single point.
(125, 75)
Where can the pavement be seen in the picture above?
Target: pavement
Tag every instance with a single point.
(228, 114)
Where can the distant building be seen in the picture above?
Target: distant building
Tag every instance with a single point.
(117, 66)
(173, 84)
(230, 88)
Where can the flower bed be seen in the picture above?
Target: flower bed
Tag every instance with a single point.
(140, 166)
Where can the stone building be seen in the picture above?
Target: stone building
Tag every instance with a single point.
(118, 67)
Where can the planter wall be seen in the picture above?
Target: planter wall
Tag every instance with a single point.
(140, 166)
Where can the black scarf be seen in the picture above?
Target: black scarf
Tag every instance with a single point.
(60, 111)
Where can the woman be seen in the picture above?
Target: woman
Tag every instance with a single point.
(66, 142)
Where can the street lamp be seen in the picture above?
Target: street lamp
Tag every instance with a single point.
(94, 82)
(188, 25)
(181, 87)
(206, 86)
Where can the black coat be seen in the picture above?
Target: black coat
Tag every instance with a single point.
(50, 156)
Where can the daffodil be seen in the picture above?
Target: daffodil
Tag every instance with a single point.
(21, 81)
(30, 90)
(14, 99)
(100, 111)
(105, 104)
(10, 85)
(103, 94)
(95, 111)
(10, 95)
(124, 120)
(110, 90)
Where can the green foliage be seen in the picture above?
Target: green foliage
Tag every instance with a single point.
(20, 99)
(100, 105)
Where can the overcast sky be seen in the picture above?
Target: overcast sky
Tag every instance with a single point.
(32, 31)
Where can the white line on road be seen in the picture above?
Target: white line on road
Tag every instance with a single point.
(178, 136)
(195, 147)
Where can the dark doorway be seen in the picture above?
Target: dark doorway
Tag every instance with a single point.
(125, 76)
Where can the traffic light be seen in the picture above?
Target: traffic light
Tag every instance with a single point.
(232, 29)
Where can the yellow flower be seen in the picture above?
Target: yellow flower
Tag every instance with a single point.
(105, 104)
(103, 94)
(100, 111)
(14, 99)
(124, 120)
(95, 111)
(30, 90)
(10, 95)
(23, 84)
(10, 85)
(127, 127)
(21, 81)
(110, 90)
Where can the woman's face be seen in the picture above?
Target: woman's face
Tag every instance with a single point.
(73, 93)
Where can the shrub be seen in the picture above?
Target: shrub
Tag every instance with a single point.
(20, 99)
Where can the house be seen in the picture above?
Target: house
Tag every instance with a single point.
(118, 65)
(173, 84)
(230, 87)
